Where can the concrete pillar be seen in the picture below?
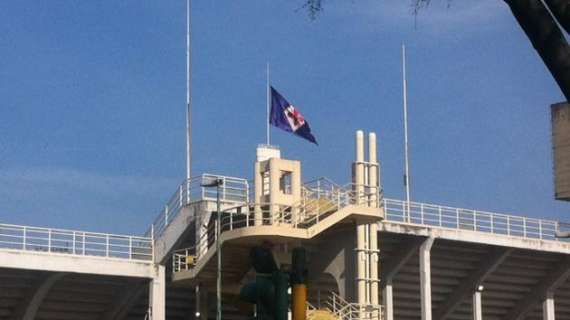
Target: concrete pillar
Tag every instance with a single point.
(157, 293)
(548, 307)
(388, 301)
(258, 182)
(425, 278)
(477, 310)
(274, 192)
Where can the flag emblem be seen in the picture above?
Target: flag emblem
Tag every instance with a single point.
(285, 116)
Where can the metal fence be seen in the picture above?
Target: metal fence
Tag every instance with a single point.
(232, 190)
(75, 242)
(468, 219)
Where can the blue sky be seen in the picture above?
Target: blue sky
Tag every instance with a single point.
(93, 101)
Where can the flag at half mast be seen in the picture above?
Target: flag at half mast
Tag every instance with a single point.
(285, 116)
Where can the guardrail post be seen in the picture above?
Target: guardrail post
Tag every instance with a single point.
(457, 214)
(524, 227)
(107, 245)
(24, 239)
(223, 188)
(422, 213)
(440, 216)
(492, 217)
(83, 252)
(165, 216)
(509, 225)
(130, 247)
(49, 240)
(73, 243)
(180, 192)
(474, 220)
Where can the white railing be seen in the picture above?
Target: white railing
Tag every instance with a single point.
(468, 219)
(352, 311)
(72, 242)
(314, 207)
(232, 190)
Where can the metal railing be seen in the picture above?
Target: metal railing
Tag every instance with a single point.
(232, 190)
(468, 219)
(352, 311)
(315, 206)
(73, 242)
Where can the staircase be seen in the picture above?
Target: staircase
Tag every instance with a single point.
(341, 309)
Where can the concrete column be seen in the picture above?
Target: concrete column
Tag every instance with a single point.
(204, 306)
(388, 301)
(274, 192)
(425, 278)
(157, 293)
(477, 310)
(548, 307)
(258, 183)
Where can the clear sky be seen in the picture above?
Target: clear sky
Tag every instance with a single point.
(93, 102)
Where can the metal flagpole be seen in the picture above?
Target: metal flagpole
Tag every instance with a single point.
(407, 164)
(188, 105)
(268, 104)
(188, 102)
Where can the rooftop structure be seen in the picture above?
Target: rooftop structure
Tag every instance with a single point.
(367, 256)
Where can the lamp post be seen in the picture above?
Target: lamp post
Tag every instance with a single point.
(208, 183)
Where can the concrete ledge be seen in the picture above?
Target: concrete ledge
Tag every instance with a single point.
(56, 262)
(475, 237)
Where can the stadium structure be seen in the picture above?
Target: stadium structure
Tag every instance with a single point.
(281, 247)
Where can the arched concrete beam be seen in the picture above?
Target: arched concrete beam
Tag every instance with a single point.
(29, 307)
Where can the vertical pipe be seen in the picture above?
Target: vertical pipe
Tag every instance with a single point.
(374, 264)
(373, 170)
(373, 183)
(361, 228)
(359, 166)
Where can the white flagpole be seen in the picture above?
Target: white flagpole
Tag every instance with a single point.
(268, 106)
(407, 164)
(188, 101)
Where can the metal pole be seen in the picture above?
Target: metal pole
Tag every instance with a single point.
(268, 105)
(219, 250)
(407, 165)
(188, 91)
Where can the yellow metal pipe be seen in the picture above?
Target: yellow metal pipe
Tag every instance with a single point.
(299, 302)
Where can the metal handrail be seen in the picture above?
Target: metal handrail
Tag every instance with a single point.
(469, 219)
(232, 190)
(75, 242)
